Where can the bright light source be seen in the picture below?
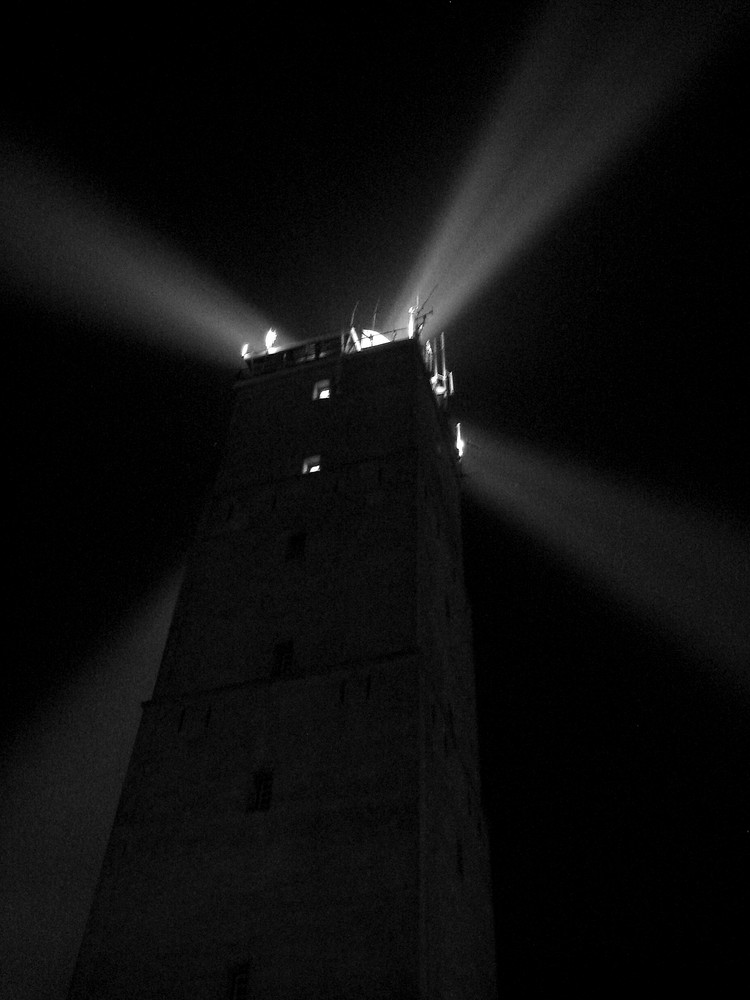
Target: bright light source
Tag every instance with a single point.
(270, 339)
(370, 338)
(460, 443)
(311, 464)
(245, 350)
(322, 389)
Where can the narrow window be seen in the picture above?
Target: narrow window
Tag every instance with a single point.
(311, 464)
(283, 658)
(260, 793)
(322, 389)
(295, 546)
(239, 979)
(449, 733)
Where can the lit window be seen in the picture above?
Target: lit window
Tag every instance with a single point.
(322, 389)
(260, 793)
(311, 464)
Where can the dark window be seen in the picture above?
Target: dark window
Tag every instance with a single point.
(260, 793)
(283, 658)
(239, 979)
(449, 734)
(295, 546)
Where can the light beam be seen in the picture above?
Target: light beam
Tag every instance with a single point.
(61, 778)
(680, 568)
(587, 83)
(69, 248)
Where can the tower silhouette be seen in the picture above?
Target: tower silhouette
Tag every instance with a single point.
(301, 816)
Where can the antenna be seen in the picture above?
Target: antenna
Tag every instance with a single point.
(428, 297)
(375, 314)
(354, 313)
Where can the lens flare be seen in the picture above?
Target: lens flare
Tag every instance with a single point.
(681, 568)
(67, 247)
(588, 83)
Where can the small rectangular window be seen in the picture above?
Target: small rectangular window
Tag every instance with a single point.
(449, 732)
(239, 979)
(295, 546)
(260, 793)
(322, 389)
(311, 464)
(283, 658)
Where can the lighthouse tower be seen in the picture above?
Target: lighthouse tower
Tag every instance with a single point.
(301, 817)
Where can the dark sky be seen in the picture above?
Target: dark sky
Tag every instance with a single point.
(303, 162)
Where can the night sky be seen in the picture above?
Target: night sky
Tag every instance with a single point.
(286, 169)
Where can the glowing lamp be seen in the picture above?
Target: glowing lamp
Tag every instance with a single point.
(371, 338)
(270, 339)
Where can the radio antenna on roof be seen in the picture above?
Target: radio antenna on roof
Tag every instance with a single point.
(428, 297)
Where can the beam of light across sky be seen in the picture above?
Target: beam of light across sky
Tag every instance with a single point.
(586, 85)
(69, 249)
(61, 780)
(682, 569)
